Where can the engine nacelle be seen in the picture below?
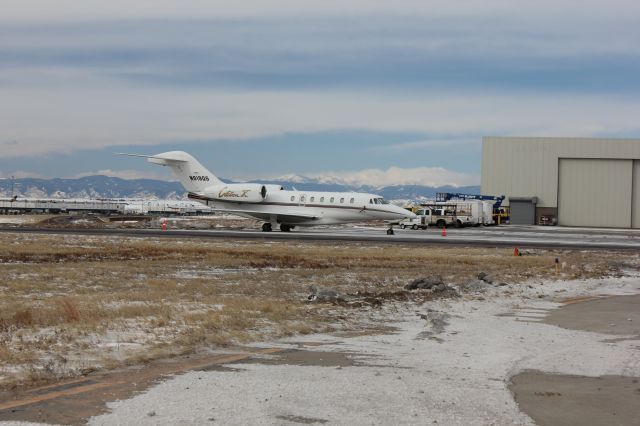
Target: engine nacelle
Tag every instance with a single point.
(238, 192)
(273, 188)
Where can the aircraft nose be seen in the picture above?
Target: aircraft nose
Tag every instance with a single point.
(405, 213)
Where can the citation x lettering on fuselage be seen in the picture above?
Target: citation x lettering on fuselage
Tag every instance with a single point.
(272, 203)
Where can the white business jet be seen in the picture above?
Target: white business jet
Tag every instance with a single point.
(272, 203)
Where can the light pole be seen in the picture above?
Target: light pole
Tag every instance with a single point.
(12, 178)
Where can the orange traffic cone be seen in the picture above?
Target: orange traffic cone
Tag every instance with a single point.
(516, 252)
(444, 231)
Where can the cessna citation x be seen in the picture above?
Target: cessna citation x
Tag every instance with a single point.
(272, 203)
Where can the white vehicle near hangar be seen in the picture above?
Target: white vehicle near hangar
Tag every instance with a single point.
(481, 208)
(272, 203)
(473, 212)
(456, 213)
(431, 215)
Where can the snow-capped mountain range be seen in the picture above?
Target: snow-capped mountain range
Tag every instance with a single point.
(113, 187)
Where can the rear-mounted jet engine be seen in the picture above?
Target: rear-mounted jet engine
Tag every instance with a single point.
(238, 192)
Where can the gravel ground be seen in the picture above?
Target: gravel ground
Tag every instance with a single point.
(448, 363)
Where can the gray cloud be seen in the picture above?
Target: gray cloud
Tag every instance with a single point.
(113, 116)
(378, 53)
(72, 10)
(85, 75)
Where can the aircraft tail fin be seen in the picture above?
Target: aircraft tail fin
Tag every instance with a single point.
(192, 175)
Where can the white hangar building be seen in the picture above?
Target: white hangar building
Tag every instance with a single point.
(574, 181)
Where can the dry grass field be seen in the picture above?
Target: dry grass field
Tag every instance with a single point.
(73, 304)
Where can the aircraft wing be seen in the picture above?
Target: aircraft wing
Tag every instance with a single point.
(266, 216)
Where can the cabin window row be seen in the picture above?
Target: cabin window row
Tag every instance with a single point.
(303, 199)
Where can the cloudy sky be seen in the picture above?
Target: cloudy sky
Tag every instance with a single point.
(387, 91)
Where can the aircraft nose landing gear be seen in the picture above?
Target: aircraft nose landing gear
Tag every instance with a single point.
(390, 230)
(285, 228)
(266, 227)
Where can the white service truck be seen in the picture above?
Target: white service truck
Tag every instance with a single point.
(473, 212)
(439, 215)
(482, 208)
(421, 221)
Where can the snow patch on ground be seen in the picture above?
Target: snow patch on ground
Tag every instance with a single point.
(460, 377)
(20, 219)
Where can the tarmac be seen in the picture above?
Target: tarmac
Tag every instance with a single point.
(498, 236)
(560, 399)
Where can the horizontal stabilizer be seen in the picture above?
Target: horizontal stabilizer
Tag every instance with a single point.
(192, 175)
(153, 158)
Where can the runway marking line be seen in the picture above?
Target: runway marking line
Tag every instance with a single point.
(53, 395)
(580, 299)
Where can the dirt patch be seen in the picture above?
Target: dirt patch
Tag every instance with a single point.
(301, 420)
(554, 399)
(436, 323)
(72, 221)
(306, 358)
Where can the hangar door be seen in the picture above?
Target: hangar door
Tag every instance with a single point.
(522, 210)
(595, 192)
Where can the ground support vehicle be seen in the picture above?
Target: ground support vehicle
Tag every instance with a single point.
(501, 215)
(421, 221)
(488, 207)
(439, 215)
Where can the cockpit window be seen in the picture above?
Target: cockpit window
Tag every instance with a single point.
(382, 201)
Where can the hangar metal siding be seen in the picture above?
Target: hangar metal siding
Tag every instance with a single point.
(518, 169)
(528, 166)
(635, 208)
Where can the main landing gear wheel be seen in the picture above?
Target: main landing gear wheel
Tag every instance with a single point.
(285, 228)
(266, 227)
